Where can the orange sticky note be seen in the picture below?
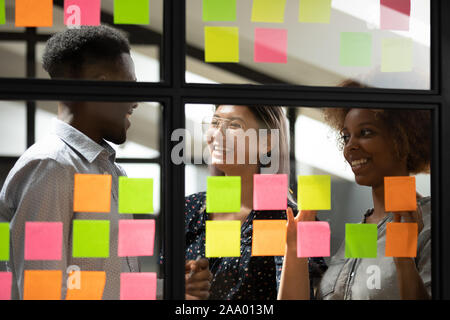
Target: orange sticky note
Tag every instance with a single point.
(86, 285)
(34, 13)
(269, 238)
(42, 285)
(400, 194)
(92, 193)
(401, 239)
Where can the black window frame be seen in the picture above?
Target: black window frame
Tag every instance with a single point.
(173, 93)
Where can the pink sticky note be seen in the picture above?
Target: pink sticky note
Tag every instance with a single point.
(82, 12)
(138, 286)
(43, 240)
(270, 191)
(394, 14)
(313, 239)
(5, 285)
(136, 237)
(270, 45)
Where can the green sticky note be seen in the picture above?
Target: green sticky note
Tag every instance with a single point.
(2, 12)
(361, 240)
(314, 192)
(221, 44)
(356, 49)
(268, 11)
(223, 194)
(397, 55)
(90, 239)
(4, 241)
(219, 10)
(135, 195)
(131, 11)
(223, 239)
(315, 11)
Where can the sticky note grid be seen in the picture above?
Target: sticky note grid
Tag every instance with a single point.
(2, 12)
(132, 12)
(82, 12)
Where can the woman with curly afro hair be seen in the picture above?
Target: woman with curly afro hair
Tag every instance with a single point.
(376, 143)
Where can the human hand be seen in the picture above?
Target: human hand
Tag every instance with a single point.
(291, 239)
(197, 279)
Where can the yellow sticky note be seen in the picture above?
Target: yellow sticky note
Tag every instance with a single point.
(268, 11)
(223, 239)
(315, 11)
(397, 55)
(221, 44)
(314, 192)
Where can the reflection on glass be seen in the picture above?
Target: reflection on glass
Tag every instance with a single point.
(317, 43)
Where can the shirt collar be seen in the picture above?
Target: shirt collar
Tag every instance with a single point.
(84, 145)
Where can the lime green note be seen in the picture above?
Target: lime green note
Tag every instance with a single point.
(135, 195)
(4, 241)
(397, 55)
(90, 239)
(223, 239)
(219, 10)
(315, 11)
(268, 11)
(356, 49)
(131, 12)
(360, 240)
(223, 194)
(221, 44)
(314, 192)
(2, 12)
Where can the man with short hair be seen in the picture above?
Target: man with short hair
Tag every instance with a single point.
(39, 188)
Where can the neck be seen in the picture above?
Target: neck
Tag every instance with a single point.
(66, 115)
